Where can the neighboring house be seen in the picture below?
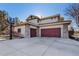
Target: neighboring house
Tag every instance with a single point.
(76, 34)
(52, 26)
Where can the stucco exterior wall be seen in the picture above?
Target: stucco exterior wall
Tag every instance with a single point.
(27, 31)
(49, 20)
(69, 27)
(33, 27)
(34, 21)
(22, 29)
(65, 31)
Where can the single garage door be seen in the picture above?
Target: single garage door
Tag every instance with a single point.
(32, 32)
(52, 32)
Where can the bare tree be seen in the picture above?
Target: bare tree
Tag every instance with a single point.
(73, 12)
(17, 20)
(3, 20)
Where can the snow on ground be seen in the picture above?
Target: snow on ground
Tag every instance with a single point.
(39, 46)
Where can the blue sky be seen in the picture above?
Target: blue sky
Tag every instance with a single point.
(22, 10)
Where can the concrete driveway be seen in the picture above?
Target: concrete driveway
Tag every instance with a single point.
(39, 47)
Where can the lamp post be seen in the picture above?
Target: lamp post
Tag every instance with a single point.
(11, 22)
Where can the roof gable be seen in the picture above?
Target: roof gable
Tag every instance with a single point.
(31, 17)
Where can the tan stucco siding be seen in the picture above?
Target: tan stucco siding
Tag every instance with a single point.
(65, 31)
(22, 29)
(69, 27)
(27, 29)
(49, 20)
(33, 27)
(34, 21)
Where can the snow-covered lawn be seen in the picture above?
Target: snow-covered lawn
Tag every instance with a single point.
(39, 47)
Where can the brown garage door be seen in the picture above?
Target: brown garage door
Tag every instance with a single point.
(52, 32)
(32, 32)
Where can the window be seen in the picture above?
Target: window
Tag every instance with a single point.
(19, 30)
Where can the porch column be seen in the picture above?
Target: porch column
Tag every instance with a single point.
(38, 32)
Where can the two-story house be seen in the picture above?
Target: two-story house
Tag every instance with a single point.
(51, 26)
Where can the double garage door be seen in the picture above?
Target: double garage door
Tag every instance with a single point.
(51, 32)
